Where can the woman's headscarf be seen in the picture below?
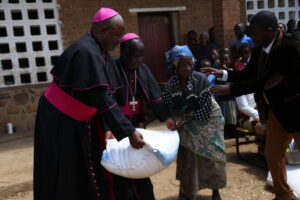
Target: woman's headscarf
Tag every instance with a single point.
(175, 53)
(197, 96)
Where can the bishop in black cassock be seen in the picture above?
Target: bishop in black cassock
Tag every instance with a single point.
(68, 136)
(140, 87)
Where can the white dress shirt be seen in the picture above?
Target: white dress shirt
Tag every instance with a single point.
(268, 48)
(246, 104)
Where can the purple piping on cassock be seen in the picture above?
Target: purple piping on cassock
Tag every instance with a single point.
(90, 164)
(148, 98)
(117, 89)
(94, 86)
(155, 100)
(110, 107)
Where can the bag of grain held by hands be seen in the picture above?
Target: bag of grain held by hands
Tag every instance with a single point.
(159, 152)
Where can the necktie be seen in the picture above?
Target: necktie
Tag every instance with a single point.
(262, 62)
(261, 102)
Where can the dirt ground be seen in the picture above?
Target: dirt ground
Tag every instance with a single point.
(245, 181)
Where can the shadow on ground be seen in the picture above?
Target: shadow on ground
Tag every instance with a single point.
(258, 165)
(15, 142)
(199, 197)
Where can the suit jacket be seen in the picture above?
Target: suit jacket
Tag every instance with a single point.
(283, 59)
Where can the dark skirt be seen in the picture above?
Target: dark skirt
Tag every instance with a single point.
(133, 189)
(229, 111)
(196, 172)
(66, 158)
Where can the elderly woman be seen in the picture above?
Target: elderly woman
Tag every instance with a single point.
(201, 157)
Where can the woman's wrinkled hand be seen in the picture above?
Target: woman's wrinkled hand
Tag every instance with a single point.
(170, 123)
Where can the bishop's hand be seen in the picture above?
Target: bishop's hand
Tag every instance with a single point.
(109, 135)
(136, 140)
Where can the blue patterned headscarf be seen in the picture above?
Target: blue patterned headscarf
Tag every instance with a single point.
(174, 54)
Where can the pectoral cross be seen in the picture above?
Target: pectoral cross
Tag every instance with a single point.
(133, 102)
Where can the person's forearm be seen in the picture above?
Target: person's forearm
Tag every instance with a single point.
(117, 123)
(110, 113)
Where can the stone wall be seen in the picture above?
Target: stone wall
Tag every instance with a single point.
(18, 105)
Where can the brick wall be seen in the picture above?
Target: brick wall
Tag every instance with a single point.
(218, 22)
(18, 105)
(199, 15)
(76, 15)
(243, 11)
(226, 13)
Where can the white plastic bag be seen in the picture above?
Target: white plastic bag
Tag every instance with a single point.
(293, 179)
(159, 152)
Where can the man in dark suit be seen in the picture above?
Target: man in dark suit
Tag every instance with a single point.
(272, 75)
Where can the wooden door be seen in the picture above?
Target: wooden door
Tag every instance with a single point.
(155, 31)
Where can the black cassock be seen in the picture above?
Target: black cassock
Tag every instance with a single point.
(141, 84)
(67, 152)
(147, 90)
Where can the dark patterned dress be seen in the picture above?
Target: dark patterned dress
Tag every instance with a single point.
(201, 157)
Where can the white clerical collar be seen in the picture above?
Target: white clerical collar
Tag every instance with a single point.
(268, 49)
